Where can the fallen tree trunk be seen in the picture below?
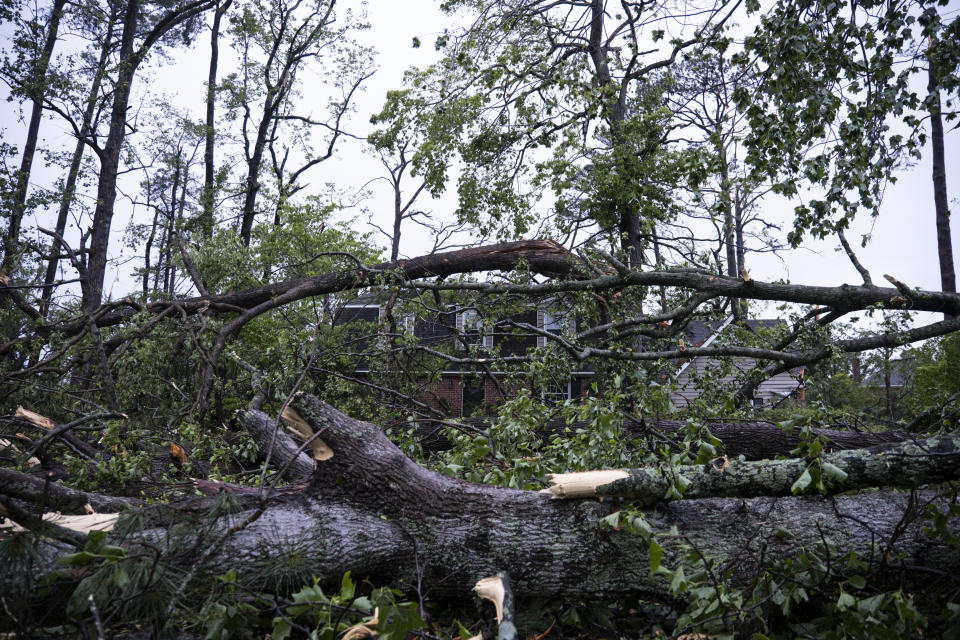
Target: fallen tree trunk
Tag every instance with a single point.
(910, 464)
(370, 510)
(750, 439)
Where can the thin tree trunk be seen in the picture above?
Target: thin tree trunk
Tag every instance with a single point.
(130, 59)
(741, 304)
(110, 161)
(146, 253)
(209, 187)
(253, 173)
(948, 277)
(70, 186)
(39, 79)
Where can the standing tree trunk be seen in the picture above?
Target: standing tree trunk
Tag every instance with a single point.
(741, 306)
(130, 59)
(70, 186)
(39, 81)
(110, 161)
(948, 278)
(209, 188)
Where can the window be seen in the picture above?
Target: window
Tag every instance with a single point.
(556, 392)
(405, 324)
(553, 321)
(470, 324)
(473, 397)
(756, 401)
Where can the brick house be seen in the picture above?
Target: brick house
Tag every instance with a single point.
(462, 389)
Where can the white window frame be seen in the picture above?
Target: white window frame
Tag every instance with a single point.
(484, 329)
(563, 323)
(558, 396)
(406, 323)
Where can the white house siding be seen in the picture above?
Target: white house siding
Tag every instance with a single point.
(771, 390)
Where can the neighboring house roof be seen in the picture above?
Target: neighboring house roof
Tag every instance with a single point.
(901, 371)
(698, 331)
(703, 334)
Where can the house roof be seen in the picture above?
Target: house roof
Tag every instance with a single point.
(699, 331)
(901, 371)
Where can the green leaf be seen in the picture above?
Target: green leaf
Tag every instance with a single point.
(347, 587)
(802, 482)
(612, 520)
(121, 578)
(95, 540)
(833, 472)
(113, 551)
(656, 554)
(78, 559)
(679, 582)
(857, 582)
(845, 601)
(281, 629)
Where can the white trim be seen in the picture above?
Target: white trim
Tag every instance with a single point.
(484, 328)
(569, 396)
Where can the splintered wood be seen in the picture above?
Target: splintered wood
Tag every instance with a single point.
(581, 485)
(320, 450)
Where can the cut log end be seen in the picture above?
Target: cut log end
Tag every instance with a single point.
(364, 630)
(582, 484)
(81, 524)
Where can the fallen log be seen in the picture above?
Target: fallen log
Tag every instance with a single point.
(370, 510)
(910, 464)
(754, 440)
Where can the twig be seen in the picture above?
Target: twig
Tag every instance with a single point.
(101, 633)
(853, 258)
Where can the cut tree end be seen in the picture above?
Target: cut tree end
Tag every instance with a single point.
(81, 524)
(582, 484)
(363, 630)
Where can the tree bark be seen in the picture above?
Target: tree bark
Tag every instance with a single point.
(39, 79)
(370, 510)
(130, 59)
(547, 258)
(209, 188)
(948, 277)
(70, 185)
(909, 465)
(110, 161)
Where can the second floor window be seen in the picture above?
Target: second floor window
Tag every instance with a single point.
(470, 324)
(555, 322)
